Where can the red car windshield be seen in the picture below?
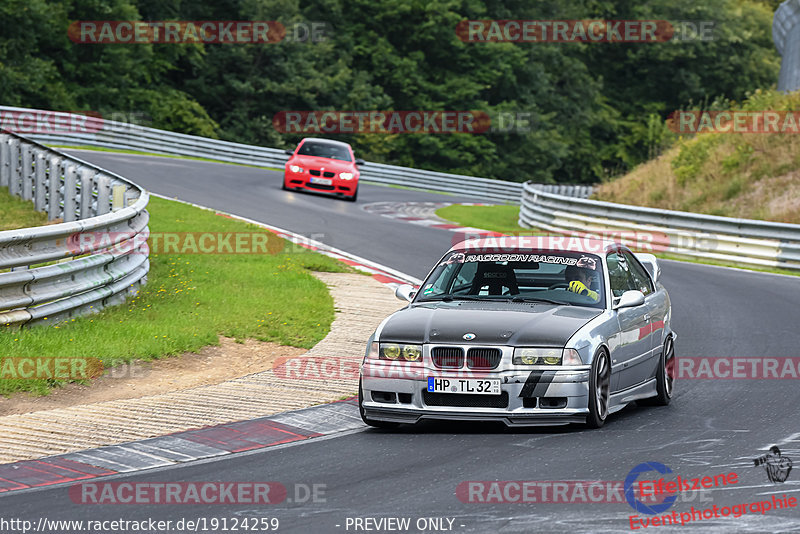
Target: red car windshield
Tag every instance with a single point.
(324, 150)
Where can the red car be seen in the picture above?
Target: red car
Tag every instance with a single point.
(325, 166)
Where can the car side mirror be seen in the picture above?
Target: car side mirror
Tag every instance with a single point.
(360, 161)
(629, 299)
(288, 152)
(405, 292)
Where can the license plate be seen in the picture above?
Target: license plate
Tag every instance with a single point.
(479, 386)
(321, 181)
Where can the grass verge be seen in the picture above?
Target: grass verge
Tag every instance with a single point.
(501, 218)
(189, 300)
(17, 213)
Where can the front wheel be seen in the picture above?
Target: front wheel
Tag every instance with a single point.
(355, 195)
(599, 389)
(368, 421)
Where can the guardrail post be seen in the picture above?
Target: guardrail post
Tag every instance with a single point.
(103, 195)
(40, 187)
(54, 189)
(4, 160)
(13, 168)
(86, 184)
(70, 193)
(27, 172)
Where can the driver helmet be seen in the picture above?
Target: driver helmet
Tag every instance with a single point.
(578, 272)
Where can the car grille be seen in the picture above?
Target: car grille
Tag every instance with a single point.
(448, 357)
(483, 358)
(321, 186)
(326, 174)
(465, 401)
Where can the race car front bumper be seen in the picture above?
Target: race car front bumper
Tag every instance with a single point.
(535, 397)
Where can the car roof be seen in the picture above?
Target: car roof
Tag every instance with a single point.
(326, 141)
(507, 244)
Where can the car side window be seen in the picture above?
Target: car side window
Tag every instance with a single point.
(639, 276)
(619, 274)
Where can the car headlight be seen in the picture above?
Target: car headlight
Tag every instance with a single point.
(295, 168)
(412, 353)
(546, 356)
(346, 175)
(402, 352)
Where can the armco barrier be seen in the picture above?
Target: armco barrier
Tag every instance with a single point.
(79, 275)
(98, 132)
(743, 241)
(556, 208)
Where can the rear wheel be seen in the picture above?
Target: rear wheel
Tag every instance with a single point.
(665, 376)
(368, 421)
(599, 390)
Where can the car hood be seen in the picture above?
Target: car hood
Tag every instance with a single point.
(518, 324)
(313, 162)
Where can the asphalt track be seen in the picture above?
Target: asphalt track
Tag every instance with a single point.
(711, 427)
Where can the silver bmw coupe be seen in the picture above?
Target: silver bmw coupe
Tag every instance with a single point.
(524, 330)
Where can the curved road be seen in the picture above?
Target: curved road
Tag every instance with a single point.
(711, 427)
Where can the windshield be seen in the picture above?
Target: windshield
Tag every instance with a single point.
(571, 278)
(324, 150)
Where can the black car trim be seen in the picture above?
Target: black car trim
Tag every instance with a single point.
(536, 384)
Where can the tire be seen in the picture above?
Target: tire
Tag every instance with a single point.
(599, 391)
(283, 185)
(665, 377)
(355, 196)
(367, 421)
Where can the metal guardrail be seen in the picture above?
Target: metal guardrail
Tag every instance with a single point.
(94, 258)
(98, 132)
(551, 207)
(743, 241)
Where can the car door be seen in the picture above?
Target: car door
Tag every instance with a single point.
(632, 344)
(656, 309)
